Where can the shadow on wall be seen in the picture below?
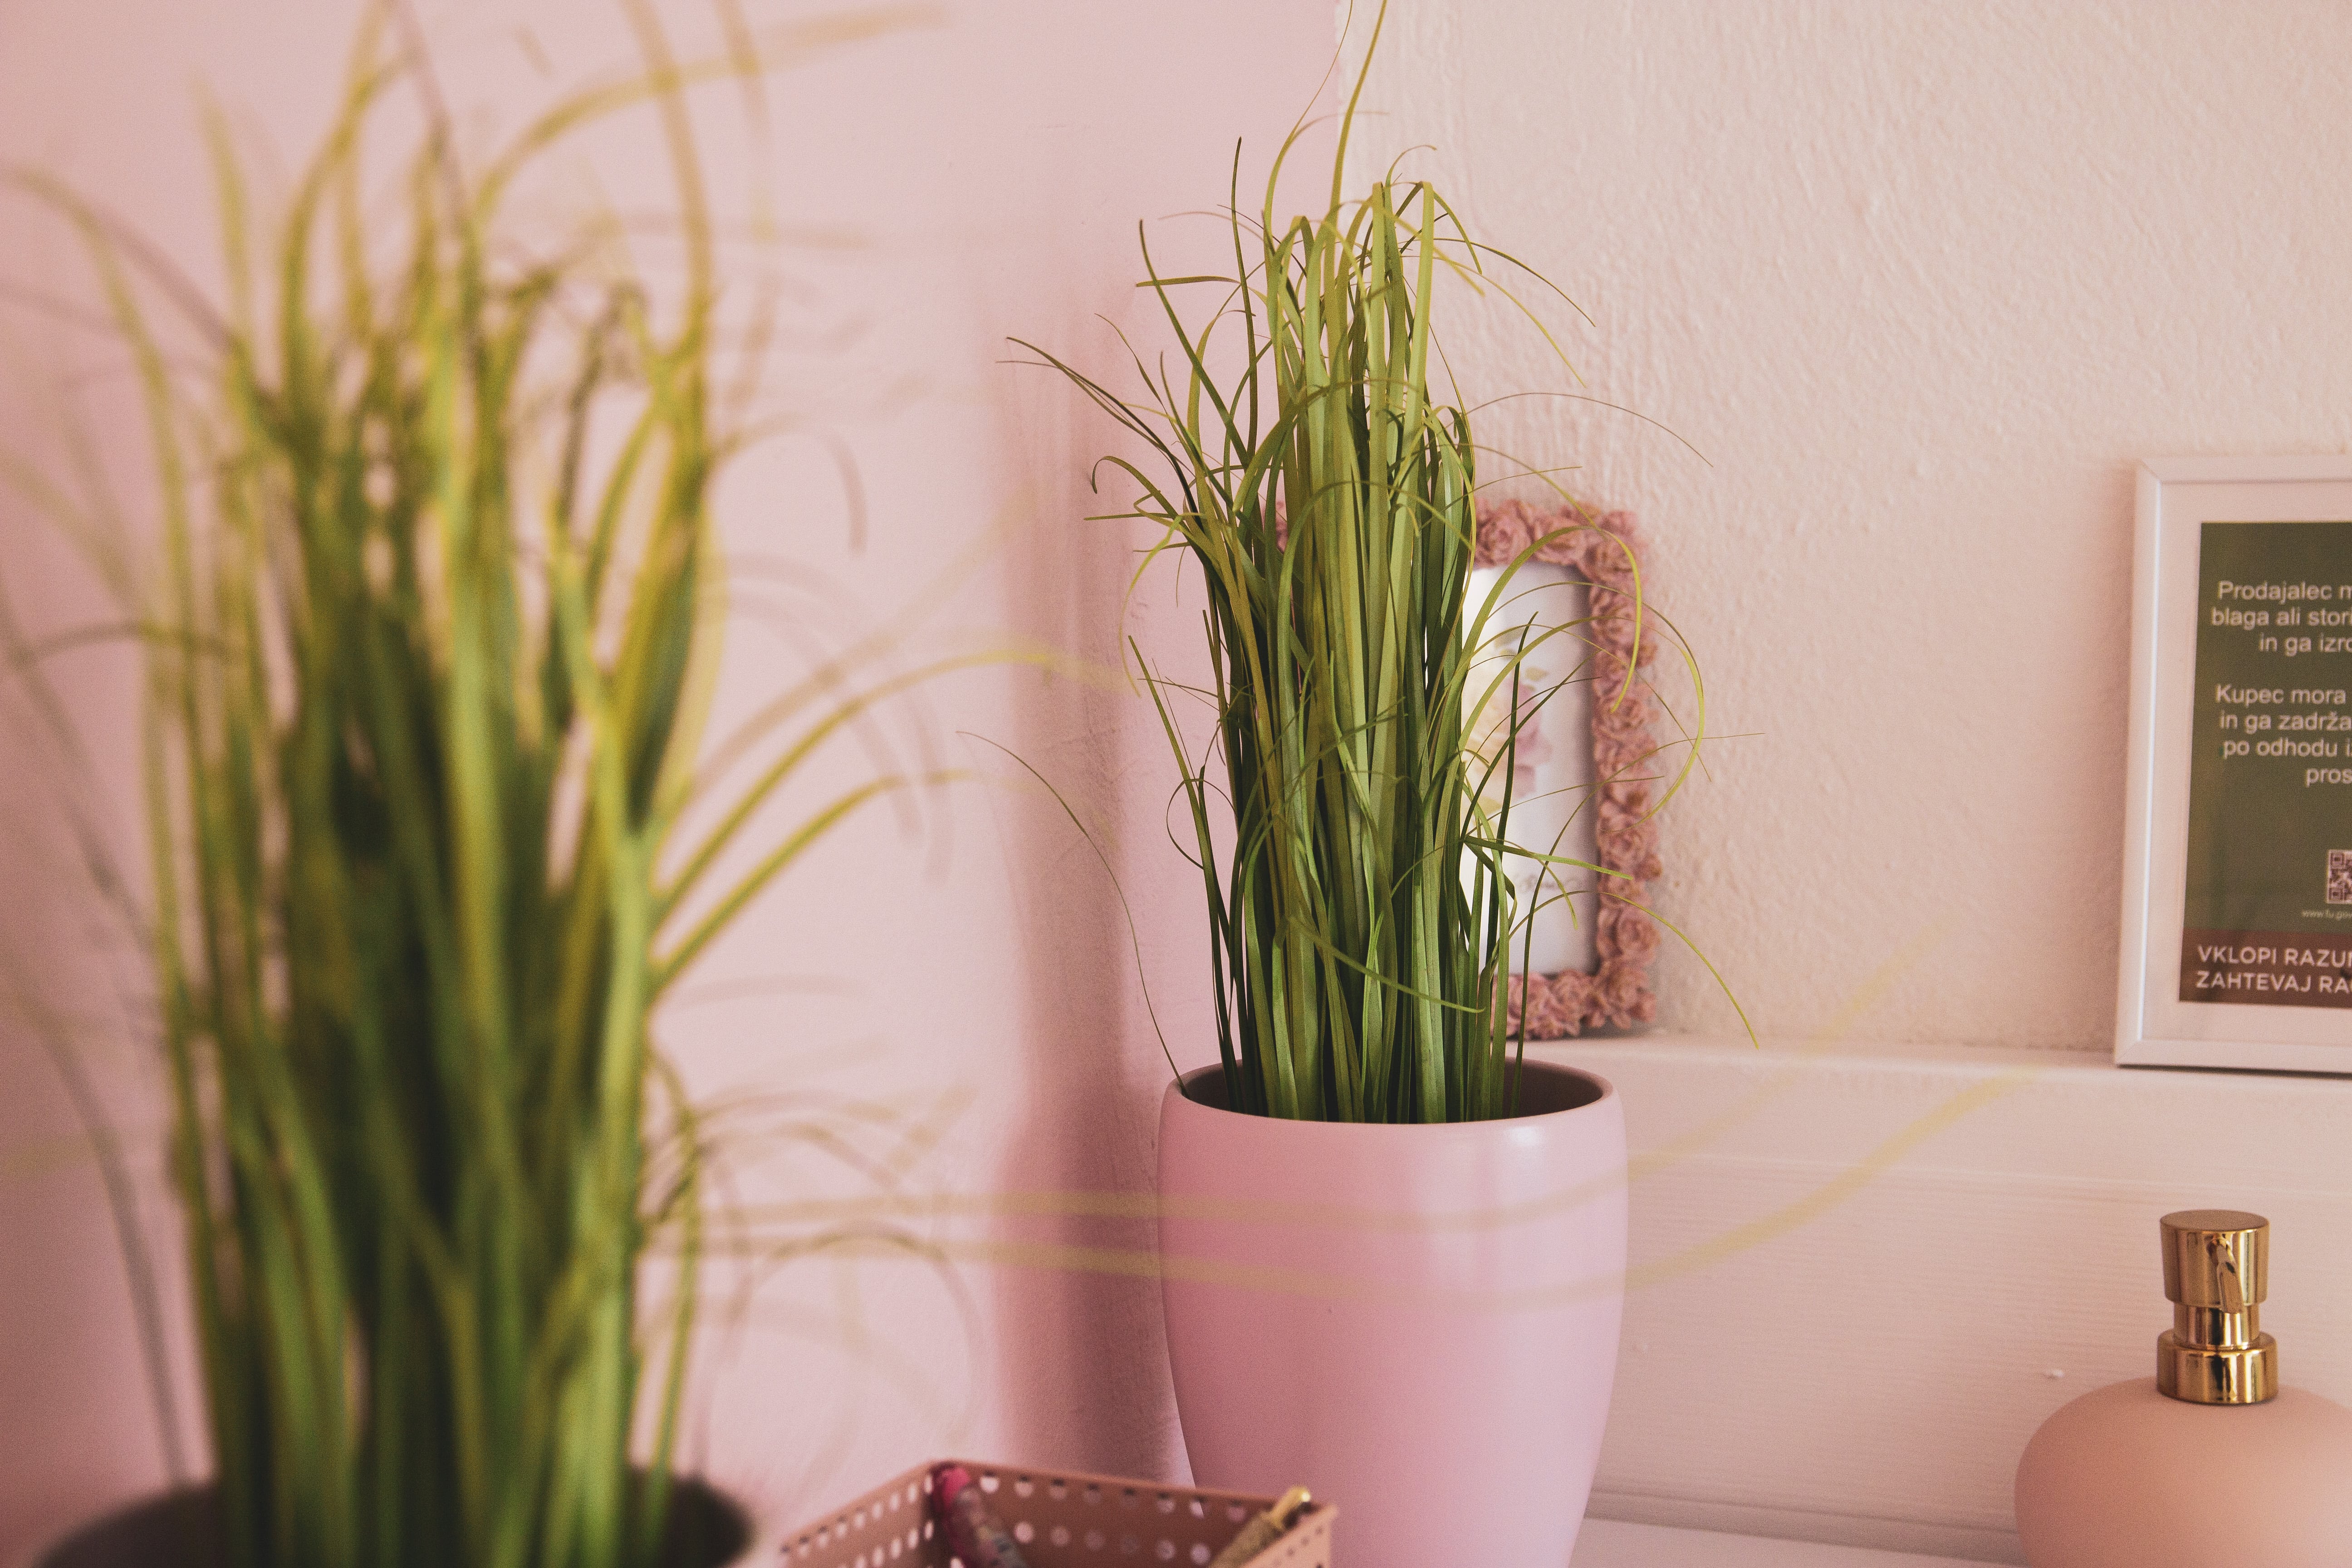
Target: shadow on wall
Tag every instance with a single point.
(1080, 1358)
(1080, 1361)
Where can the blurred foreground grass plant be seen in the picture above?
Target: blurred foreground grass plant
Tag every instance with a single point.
(1368, 708)
(429, 632)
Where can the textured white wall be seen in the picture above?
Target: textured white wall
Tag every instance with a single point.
(1920, 281)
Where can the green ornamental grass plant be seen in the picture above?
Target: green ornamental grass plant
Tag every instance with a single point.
(1362, 911)
(437, 612)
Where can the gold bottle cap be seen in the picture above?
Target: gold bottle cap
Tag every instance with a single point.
(2217, 1258)
(2217, 1274)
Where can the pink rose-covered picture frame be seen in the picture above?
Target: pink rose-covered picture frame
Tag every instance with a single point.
(1603, 549)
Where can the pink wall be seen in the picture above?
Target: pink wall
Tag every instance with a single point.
(959, 983)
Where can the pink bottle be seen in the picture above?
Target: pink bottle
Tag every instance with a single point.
(2213, 1464)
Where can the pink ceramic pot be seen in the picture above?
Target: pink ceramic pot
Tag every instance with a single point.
(1418, 1324)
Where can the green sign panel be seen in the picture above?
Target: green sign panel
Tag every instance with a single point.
(2269, 914)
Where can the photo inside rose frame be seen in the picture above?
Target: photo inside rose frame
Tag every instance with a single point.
(1552, 807)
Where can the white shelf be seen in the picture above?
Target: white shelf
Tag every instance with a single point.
(1610, 1543)
(1968, 1236)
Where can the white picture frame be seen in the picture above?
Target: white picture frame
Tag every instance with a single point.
(2178, 496)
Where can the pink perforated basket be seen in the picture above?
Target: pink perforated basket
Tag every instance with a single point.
(1062, 1520)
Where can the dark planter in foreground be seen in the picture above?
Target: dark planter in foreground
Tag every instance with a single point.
(708, 1529)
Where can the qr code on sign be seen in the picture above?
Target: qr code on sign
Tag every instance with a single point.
(2339, 875)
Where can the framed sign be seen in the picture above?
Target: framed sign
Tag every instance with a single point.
(2237, 920)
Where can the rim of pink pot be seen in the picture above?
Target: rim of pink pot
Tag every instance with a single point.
(1603, 1093)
